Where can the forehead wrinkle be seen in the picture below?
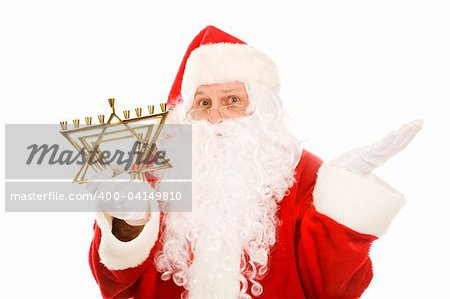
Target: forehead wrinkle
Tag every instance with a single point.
(199, 92)
(228, 90)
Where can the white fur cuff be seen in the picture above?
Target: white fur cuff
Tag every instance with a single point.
(118, 255)
(365, 204)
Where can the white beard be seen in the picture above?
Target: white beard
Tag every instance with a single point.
(240, 172)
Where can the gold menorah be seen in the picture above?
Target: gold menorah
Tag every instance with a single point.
(114, 129)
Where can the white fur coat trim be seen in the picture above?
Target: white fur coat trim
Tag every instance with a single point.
(365, 204)
(118, 255)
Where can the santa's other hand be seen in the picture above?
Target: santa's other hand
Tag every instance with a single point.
(365, 159)
(121, 197)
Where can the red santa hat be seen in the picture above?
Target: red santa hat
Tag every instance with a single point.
(215, 56)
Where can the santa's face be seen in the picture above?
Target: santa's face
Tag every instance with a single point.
(218, 102)
(242, 164)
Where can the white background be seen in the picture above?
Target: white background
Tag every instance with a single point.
(351, 72)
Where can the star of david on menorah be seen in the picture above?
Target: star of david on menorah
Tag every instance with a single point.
(142, 131)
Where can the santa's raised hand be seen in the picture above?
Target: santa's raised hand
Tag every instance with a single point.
(364, 160)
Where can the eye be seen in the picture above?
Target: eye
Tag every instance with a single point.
(234, 100)
(203, 103)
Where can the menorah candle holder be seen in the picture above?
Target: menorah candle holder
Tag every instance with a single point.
(87, 139)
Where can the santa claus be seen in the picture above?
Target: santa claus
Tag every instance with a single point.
(268, 219)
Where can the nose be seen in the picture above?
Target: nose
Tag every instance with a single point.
(214, 116)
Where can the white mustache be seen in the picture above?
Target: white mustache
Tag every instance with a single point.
(226, 128)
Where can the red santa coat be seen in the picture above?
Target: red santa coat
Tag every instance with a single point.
(327, 224)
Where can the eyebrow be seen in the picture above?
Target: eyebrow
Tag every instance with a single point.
(199, 92)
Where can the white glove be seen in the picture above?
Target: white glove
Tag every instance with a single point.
(364, 159)
(119, 185)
